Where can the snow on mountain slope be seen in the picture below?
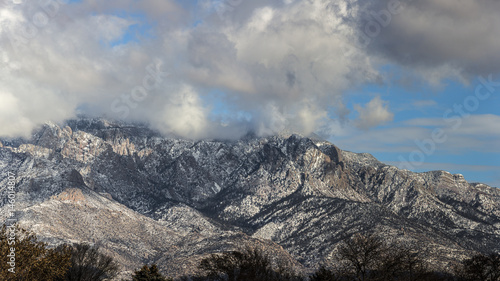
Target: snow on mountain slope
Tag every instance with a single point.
(146, 197)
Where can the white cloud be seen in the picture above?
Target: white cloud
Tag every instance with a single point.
(424, 103)
(286, 64)
(472, 173)
(451, 167)
(270, 120)
(397, 139)
(11, 123)
(309, 118)
(480, 125)
(477, 133)
(375, 112)
(184, 115)
(108, 28)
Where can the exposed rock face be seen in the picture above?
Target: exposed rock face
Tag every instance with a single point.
(148, 198)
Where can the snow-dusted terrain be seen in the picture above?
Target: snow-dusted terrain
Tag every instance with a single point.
(147, 198)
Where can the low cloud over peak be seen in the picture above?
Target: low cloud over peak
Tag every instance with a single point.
(277, 64)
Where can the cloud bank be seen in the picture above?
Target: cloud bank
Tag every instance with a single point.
(210, 69)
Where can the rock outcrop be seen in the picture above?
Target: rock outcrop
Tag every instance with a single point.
(148, 198)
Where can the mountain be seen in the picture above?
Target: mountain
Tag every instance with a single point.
(145, 198)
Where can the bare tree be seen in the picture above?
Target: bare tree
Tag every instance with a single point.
(249, 264)
(370, 257)
(361, 255)
(480, 267)
(88, 264)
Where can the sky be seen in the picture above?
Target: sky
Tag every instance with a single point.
(416, 83)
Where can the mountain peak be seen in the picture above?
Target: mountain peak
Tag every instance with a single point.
(188, 198)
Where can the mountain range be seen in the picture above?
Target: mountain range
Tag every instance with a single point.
(148, 198)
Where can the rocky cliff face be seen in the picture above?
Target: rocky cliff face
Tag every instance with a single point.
(148, 198)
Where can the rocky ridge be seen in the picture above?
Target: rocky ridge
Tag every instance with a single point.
(148, 198)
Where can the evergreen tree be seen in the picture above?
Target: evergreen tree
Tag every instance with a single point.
(149, 274)
(324, 274)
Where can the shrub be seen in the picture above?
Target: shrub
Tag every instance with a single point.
(31, 259)
(149, 274)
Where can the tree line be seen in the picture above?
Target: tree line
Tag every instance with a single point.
(362, 257)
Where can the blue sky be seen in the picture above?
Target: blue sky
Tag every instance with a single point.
(217, 69)
(477, 163)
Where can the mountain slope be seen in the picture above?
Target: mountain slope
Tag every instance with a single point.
(149, 198)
